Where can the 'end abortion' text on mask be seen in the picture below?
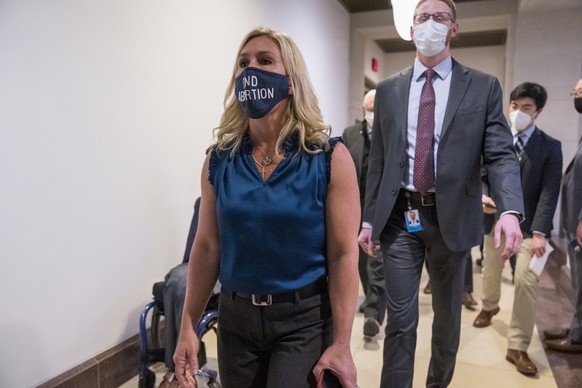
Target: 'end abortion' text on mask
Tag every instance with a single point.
(254, 94)
(259, 91)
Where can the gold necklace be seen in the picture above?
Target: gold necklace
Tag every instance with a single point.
(267, 161)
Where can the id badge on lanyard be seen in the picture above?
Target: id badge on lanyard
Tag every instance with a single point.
(412, 218)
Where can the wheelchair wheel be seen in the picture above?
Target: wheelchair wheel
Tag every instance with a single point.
(147, 381)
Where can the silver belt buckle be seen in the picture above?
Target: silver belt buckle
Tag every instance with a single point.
(258, 300)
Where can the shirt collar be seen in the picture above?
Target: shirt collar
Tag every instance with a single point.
(526, 134)
(443, 68)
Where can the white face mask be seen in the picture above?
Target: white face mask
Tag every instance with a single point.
(369, 116)
(430, 37)
(519, 121)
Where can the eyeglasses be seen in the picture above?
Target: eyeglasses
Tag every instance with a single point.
(576, 93)
(439, 17)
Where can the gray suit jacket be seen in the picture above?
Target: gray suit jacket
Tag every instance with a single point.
(474, 128)
(571, 211)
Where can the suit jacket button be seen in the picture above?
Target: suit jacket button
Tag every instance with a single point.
(401, 164)
(394, 192)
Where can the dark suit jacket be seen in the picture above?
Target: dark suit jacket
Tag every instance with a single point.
(474, 128)
(541, 170)
(354, 141)
(572, 194)
(488, 219)
(192, 231)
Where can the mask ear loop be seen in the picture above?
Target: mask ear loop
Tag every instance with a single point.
(537, 114)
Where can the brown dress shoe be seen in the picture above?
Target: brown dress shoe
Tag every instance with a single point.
(468, 301)
(521, 361)
(484, 318)
(556, 334)
(567, 345)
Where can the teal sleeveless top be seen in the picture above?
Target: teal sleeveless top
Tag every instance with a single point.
(272, 233)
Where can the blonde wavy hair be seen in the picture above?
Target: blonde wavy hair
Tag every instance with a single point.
(303, 114)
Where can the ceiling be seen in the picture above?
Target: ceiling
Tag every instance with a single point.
(353, 6)
(463, 39)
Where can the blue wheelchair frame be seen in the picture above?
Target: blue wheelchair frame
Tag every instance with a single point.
(156, 352)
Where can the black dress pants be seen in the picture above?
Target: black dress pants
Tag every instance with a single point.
(273, 346)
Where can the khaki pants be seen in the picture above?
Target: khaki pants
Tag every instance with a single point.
(522, 321)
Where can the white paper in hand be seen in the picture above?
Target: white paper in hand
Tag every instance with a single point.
(537, 263)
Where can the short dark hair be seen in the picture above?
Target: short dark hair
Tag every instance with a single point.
(450, 3)
(532, 90)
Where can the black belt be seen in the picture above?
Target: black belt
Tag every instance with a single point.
(312, 289)
(428, 199)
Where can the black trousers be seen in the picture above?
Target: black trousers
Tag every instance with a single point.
(363, 270)
(272, 346)
(404, 254)
(375, 306)
(468, 286)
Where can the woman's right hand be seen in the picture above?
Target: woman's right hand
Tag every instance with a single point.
(186, 358)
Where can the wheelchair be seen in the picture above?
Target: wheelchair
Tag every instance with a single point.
(151, 346)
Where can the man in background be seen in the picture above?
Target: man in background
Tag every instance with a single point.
(570, 340)
(540, 161)
(357, 140)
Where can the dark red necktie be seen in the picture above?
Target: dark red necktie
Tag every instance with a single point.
(424, 151)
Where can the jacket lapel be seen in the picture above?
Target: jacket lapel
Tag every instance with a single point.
(402, 93)
(532, 147)
(533, 144)
(459, 84)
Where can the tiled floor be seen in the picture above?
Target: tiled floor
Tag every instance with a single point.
(480, 361)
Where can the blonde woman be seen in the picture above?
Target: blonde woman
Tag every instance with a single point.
(278, 227)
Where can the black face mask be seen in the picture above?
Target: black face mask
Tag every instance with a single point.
(578, 104)
(258, 91)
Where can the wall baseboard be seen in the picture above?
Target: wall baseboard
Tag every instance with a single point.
(109, 369)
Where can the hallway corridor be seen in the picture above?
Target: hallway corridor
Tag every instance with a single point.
(481, 357)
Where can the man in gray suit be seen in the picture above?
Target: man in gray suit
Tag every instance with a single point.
(570, 340)
(540, 161)
(433, 125)
(357, 140)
